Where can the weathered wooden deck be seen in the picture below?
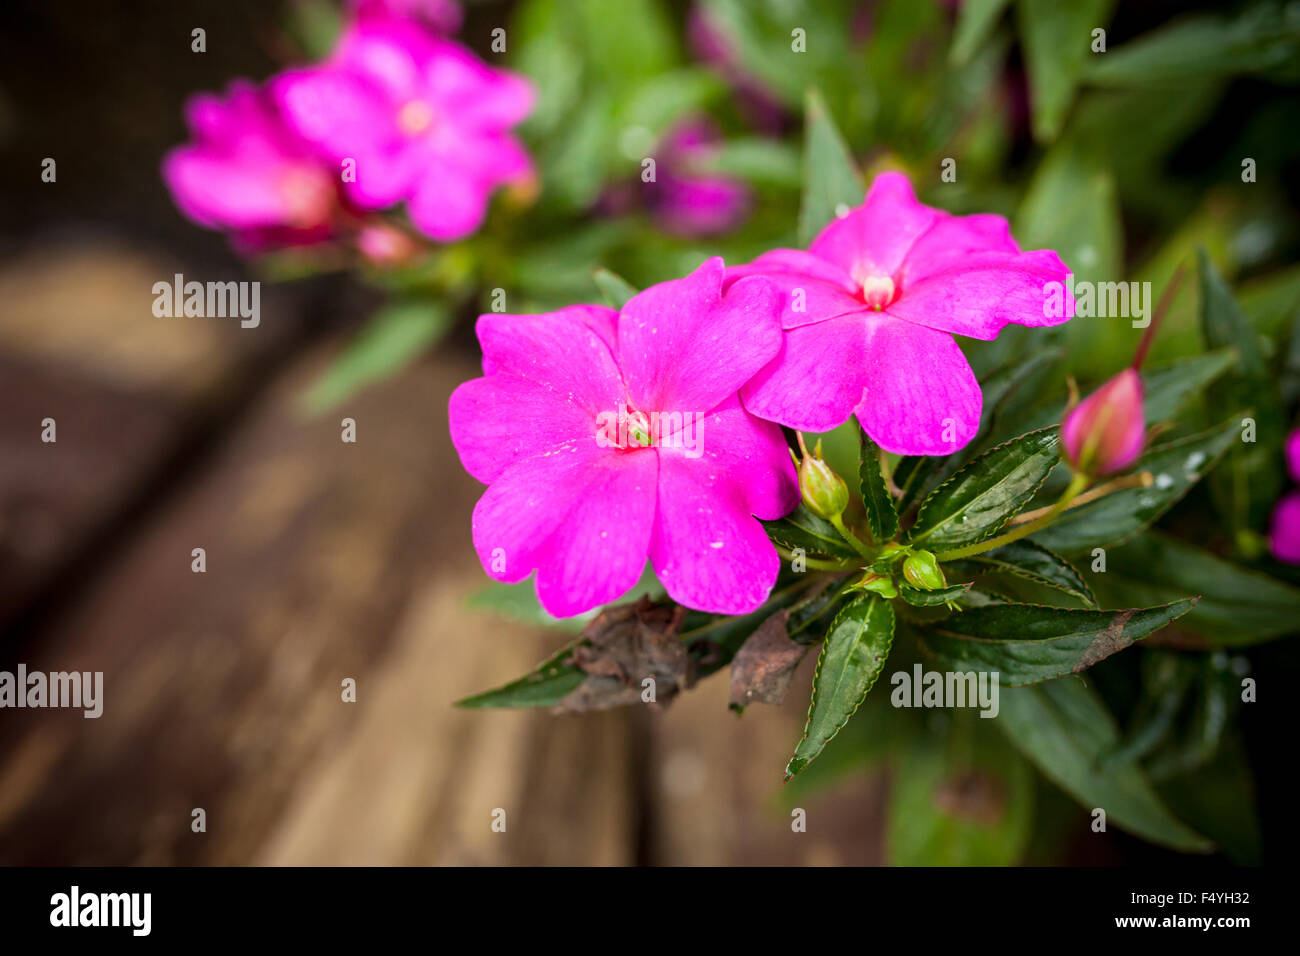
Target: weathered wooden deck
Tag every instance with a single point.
(325, 560)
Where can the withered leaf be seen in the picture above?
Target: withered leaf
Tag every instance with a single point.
(764, 665)
(626, 644)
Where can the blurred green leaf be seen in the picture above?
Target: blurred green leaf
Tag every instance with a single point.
(393, 337)
(831, 181)
(975, 22)
(1027, 644)
(1064, 728)
(764, 162)
(1263, 38)
(614, 289)
(1057, 40)
(851, 661)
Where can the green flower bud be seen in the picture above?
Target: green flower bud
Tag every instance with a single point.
(922, 571)
(823, 491)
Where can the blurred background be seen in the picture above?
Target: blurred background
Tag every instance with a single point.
(328, 561)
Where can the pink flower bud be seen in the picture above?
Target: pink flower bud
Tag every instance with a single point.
(1104, 433)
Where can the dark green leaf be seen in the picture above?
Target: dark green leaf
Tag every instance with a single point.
(918, 598)
(851, 661)
(803, 529)
(975, 22)
(1064, 728)
(830, 179)
(1057, 40)
(976, 502)
(1029, 560)
(881, 514)
(1175, 467)
(1238, 606)
(1028, 643)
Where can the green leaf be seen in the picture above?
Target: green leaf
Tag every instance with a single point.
(1028, 643)
(1175, 467)
(1264, 38)
(966, 801)
(881, 514)
(1026, 559)
(1238, 607)
(851, 661)
(803, 529)
(544, 686)
(614, 289)
(975, 22)
(1057, 39)
(976, 502)
(1247, 485)
(1064, 728)
(1168, 388)
(761, 161)
(830, 179)
(392, 338)
(918, 598)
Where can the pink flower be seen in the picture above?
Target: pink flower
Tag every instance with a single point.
(1104, 433)
(1284, 534)
(606, 438)
(246, 172)
(406, 115)
(683, 200)
(870, 312)
(442, 15)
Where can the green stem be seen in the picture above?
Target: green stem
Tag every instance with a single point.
(851, 538)
(819, 565)
(1076, 486)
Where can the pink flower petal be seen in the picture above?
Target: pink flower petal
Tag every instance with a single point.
(875, 237)
(980, 293)
(561, 351)
(708, 550)
(581, 516)
(447, 214)
(685, 346)
(952, 238)
(1284, 535)
(497, 420)
(1293, 454)
(818, 377)
(823, 289)
(922, 397)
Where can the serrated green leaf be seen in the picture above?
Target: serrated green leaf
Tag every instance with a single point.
(852, 659)
(1238, 606)
(1064, 728)
(1029, 560)
(881, 514)
(1028, 643)
(830, 178)
(1175, 467)
(975, 503)
(614, 289)
(919, 598)
(803, 529)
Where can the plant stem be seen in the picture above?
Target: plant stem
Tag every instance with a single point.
(1141, 480)
(818, 565)
(1076, 486)
(851, 538)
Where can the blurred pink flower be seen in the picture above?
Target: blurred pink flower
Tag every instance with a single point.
(413, 117)
(246, 172)
(585, 509)
(685, 202)
(870, 311)
(712, 45)
(1104, 433)
(1284, 534)
(442, 15)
